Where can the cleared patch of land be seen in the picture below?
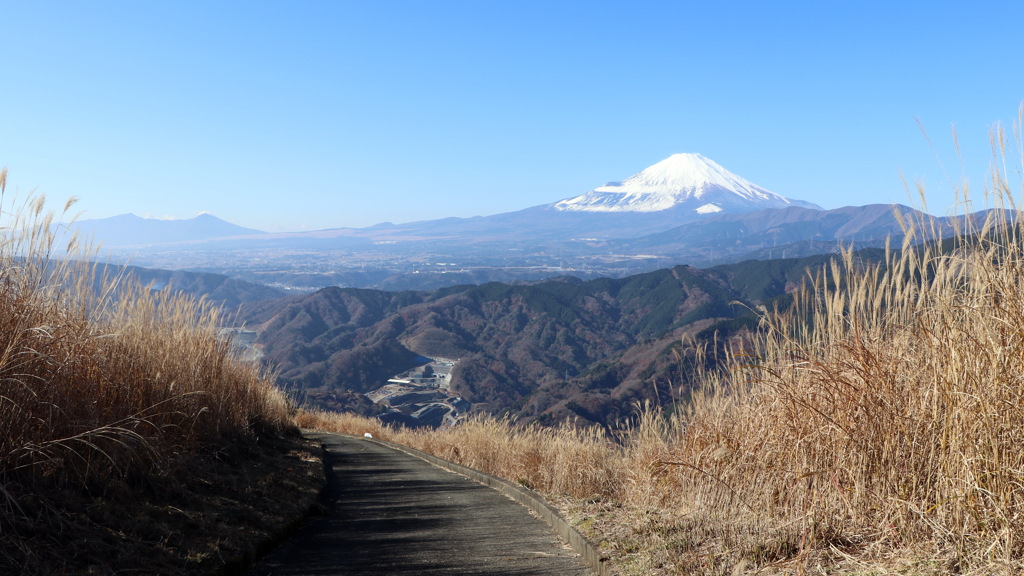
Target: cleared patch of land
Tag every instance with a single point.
(422, 397)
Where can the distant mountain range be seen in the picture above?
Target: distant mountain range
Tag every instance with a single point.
(680, 189)
(131, 231)
(685, 209)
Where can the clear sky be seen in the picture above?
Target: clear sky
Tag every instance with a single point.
(300, 114)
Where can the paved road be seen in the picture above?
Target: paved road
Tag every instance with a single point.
(392, 513)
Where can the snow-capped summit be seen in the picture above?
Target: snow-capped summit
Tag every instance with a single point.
(684, 181)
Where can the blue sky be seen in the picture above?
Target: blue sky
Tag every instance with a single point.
(308, 115)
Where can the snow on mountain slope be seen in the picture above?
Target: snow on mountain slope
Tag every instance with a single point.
(681, 180)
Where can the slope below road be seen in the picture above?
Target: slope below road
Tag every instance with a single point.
(393, 513)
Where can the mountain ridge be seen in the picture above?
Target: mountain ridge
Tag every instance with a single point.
(545, 351)
(678, 189)
(537, 242)
(129, 230)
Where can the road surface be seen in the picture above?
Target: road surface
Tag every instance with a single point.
(392, 513)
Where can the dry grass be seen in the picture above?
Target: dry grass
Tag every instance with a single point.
(874, 427)
(882, 417)
(580, 463)
(102, 392)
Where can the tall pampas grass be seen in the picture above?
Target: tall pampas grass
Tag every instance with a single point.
(880, 415)
(102, 386)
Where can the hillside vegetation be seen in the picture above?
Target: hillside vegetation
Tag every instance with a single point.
(114, 406)
(546, 351)
(872, 427)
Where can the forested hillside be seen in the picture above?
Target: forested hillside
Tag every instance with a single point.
(555, 349)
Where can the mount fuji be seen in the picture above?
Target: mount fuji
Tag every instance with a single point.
(683, 189)
(680, 190)
(684, 209)
(681, 182)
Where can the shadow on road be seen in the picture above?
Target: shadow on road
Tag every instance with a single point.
(392, 513)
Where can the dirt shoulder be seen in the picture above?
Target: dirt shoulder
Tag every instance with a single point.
(210, 514)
